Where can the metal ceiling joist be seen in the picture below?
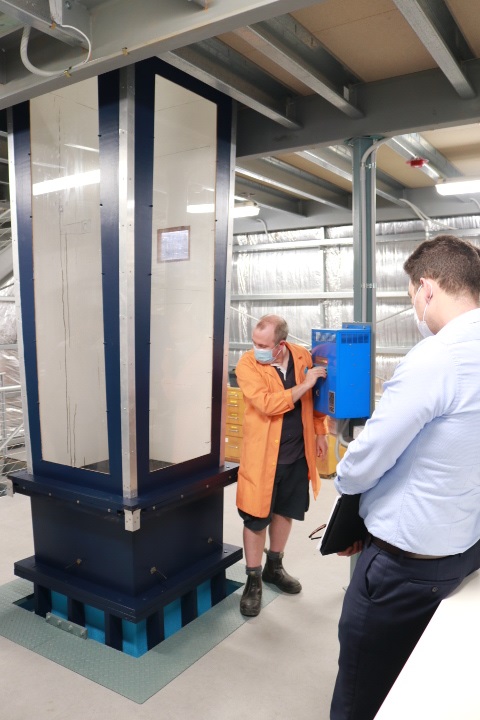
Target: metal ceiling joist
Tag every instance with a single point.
(325, 158)
(341, 164)
(213, 62)
(433, 23)
(398, 106)
(268, 197)
(275, 48)
(308, 177)
(292, 33)
(414, 145)
(38, 14)
(288, 182)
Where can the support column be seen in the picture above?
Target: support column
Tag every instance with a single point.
(364, 151)
(364, 261)
(364, 215)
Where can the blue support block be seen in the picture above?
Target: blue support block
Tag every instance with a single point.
(60, 605)
(204, 597)
(134, 638)
(95, 624)
(172, 617)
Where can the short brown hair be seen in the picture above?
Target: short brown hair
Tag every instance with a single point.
(280, 327)
(452, 262)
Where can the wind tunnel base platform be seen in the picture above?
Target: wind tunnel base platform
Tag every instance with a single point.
(135, 678)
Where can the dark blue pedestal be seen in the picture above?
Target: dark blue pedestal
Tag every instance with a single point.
(86, 560)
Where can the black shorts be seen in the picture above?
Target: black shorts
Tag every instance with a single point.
(290, 496)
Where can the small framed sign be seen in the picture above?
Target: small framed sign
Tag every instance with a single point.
(173, 244)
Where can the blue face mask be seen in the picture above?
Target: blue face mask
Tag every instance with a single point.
(265, 356)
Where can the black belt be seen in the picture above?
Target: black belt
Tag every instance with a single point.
(402, 553)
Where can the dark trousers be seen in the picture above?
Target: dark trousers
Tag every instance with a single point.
(387, 606)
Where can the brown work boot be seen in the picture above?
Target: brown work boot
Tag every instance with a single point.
(275, 573)
(251, 602)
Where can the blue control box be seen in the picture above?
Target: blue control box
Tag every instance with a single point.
(346, 354)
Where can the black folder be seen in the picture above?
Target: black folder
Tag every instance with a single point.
(344, 527)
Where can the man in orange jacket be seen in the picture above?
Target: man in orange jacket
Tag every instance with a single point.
(279, 452)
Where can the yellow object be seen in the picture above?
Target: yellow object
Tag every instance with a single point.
(234, 424)
(328, 466)
(234, 435)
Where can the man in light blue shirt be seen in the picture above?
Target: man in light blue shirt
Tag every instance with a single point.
(417, 466)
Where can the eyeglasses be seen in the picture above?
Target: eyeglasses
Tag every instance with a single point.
(313, 536)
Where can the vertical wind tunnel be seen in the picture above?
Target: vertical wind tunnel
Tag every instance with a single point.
(122, 294)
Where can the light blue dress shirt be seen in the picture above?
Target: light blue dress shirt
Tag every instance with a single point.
(417, 461)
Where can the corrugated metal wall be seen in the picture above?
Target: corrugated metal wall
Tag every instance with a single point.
(307, 277)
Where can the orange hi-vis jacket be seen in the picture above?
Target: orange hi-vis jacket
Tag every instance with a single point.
(266, 402)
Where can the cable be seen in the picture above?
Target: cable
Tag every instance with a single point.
(50, 73)
(340, 440)
(424, 218)
(261, 220)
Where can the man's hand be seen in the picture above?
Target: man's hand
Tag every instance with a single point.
(313, 374)
(322, 446)
(311, 377)
(353, 549)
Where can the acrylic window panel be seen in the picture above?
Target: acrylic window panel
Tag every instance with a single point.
(182, 300)
(68, 276)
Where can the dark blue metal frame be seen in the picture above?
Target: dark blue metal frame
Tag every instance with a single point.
(109, 126)
(144, 133)
(176, 475)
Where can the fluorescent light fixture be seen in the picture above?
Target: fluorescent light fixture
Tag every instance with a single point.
(67, 182)
(246, 209)
(459, 187)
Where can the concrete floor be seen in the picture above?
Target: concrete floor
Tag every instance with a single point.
(278, 666)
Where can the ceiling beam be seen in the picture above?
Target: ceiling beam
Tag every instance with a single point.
(38, 14)
(309, 177)
(327, 160)
(218, 65)
(434, 205)
(268, 197)
(341, 164)
(291, 32)
(262, 39)
(414, 145)
(397, 106)
(433, 23)
(124, 32)
(280, 179)
(427, 199)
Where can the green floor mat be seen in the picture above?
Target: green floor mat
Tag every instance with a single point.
(135, 678)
